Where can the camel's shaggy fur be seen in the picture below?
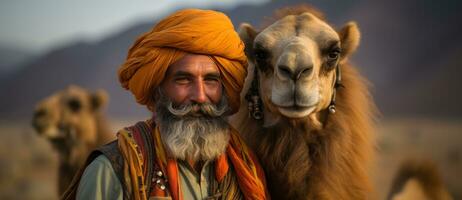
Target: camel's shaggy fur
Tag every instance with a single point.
(73, 122)
(319, 155)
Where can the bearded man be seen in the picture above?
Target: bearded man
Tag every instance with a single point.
(188, 70)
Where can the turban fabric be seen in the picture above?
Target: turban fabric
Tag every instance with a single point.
(194, 31)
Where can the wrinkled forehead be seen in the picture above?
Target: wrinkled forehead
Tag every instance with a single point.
(304, 26)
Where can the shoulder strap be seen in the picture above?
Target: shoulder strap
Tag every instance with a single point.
(143, 137)
(142, 145)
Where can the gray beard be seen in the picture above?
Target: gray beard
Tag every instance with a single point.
(193, 131)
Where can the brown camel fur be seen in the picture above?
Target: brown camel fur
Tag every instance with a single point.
(307, 152)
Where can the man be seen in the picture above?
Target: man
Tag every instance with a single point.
(189, 71)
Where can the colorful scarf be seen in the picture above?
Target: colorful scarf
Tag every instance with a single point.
(249, 173)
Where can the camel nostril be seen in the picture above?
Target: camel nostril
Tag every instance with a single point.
(304, 72)
(62, 126)
(285, 70)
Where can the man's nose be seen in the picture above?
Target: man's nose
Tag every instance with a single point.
(198, 93)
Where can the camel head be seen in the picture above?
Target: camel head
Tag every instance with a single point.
(69, 115)
(296, 59)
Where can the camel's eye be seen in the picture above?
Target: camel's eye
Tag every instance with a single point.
(261, 59)
(260, 55)
(334, 54)
(74, 104)
(40, 113)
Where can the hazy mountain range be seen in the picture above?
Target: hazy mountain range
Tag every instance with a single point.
(11, 58)
(410, 51)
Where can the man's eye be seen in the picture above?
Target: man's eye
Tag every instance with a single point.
(212, 80)
(182, 80)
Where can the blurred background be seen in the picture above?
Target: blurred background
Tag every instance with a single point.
(411, 52)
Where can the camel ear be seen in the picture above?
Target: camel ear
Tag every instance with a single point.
(99, 99)
(247, 34)
(349, 39)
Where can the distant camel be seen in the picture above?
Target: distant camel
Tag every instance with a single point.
(417, 179)
(73, 122)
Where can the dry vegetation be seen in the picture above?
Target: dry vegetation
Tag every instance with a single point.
(28, 164)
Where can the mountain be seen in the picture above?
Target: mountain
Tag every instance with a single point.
(12, 56)
(407, 48)
(91, 65)
(11, 59)
(411, 52)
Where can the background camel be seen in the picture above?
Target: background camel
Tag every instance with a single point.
(73, 122)
(418, 179)
(315, 136)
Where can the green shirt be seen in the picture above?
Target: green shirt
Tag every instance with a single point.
(99, 181)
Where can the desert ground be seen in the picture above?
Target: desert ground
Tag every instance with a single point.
(28, 164)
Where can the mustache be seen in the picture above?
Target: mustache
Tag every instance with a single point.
(165, 106)
(195, 109)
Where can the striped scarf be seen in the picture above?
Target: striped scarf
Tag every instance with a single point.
(248, 172)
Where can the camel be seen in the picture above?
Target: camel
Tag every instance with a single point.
(306, 111)
(73, 122)
(418, 179)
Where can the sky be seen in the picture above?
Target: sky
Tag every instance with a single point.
(39, 25)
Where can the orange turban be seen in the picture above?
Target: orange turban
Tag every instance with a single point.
(188, 31)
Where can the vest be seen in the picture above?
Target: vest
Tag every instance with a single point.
(141, 133)
(111, 151)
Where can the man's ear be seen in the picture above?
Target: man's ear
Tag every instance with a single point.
(247, 34)
(99, 99)
(349, 39)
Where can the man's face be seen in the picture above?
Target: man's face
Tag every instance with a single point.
(192, 79)
(190, 109)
